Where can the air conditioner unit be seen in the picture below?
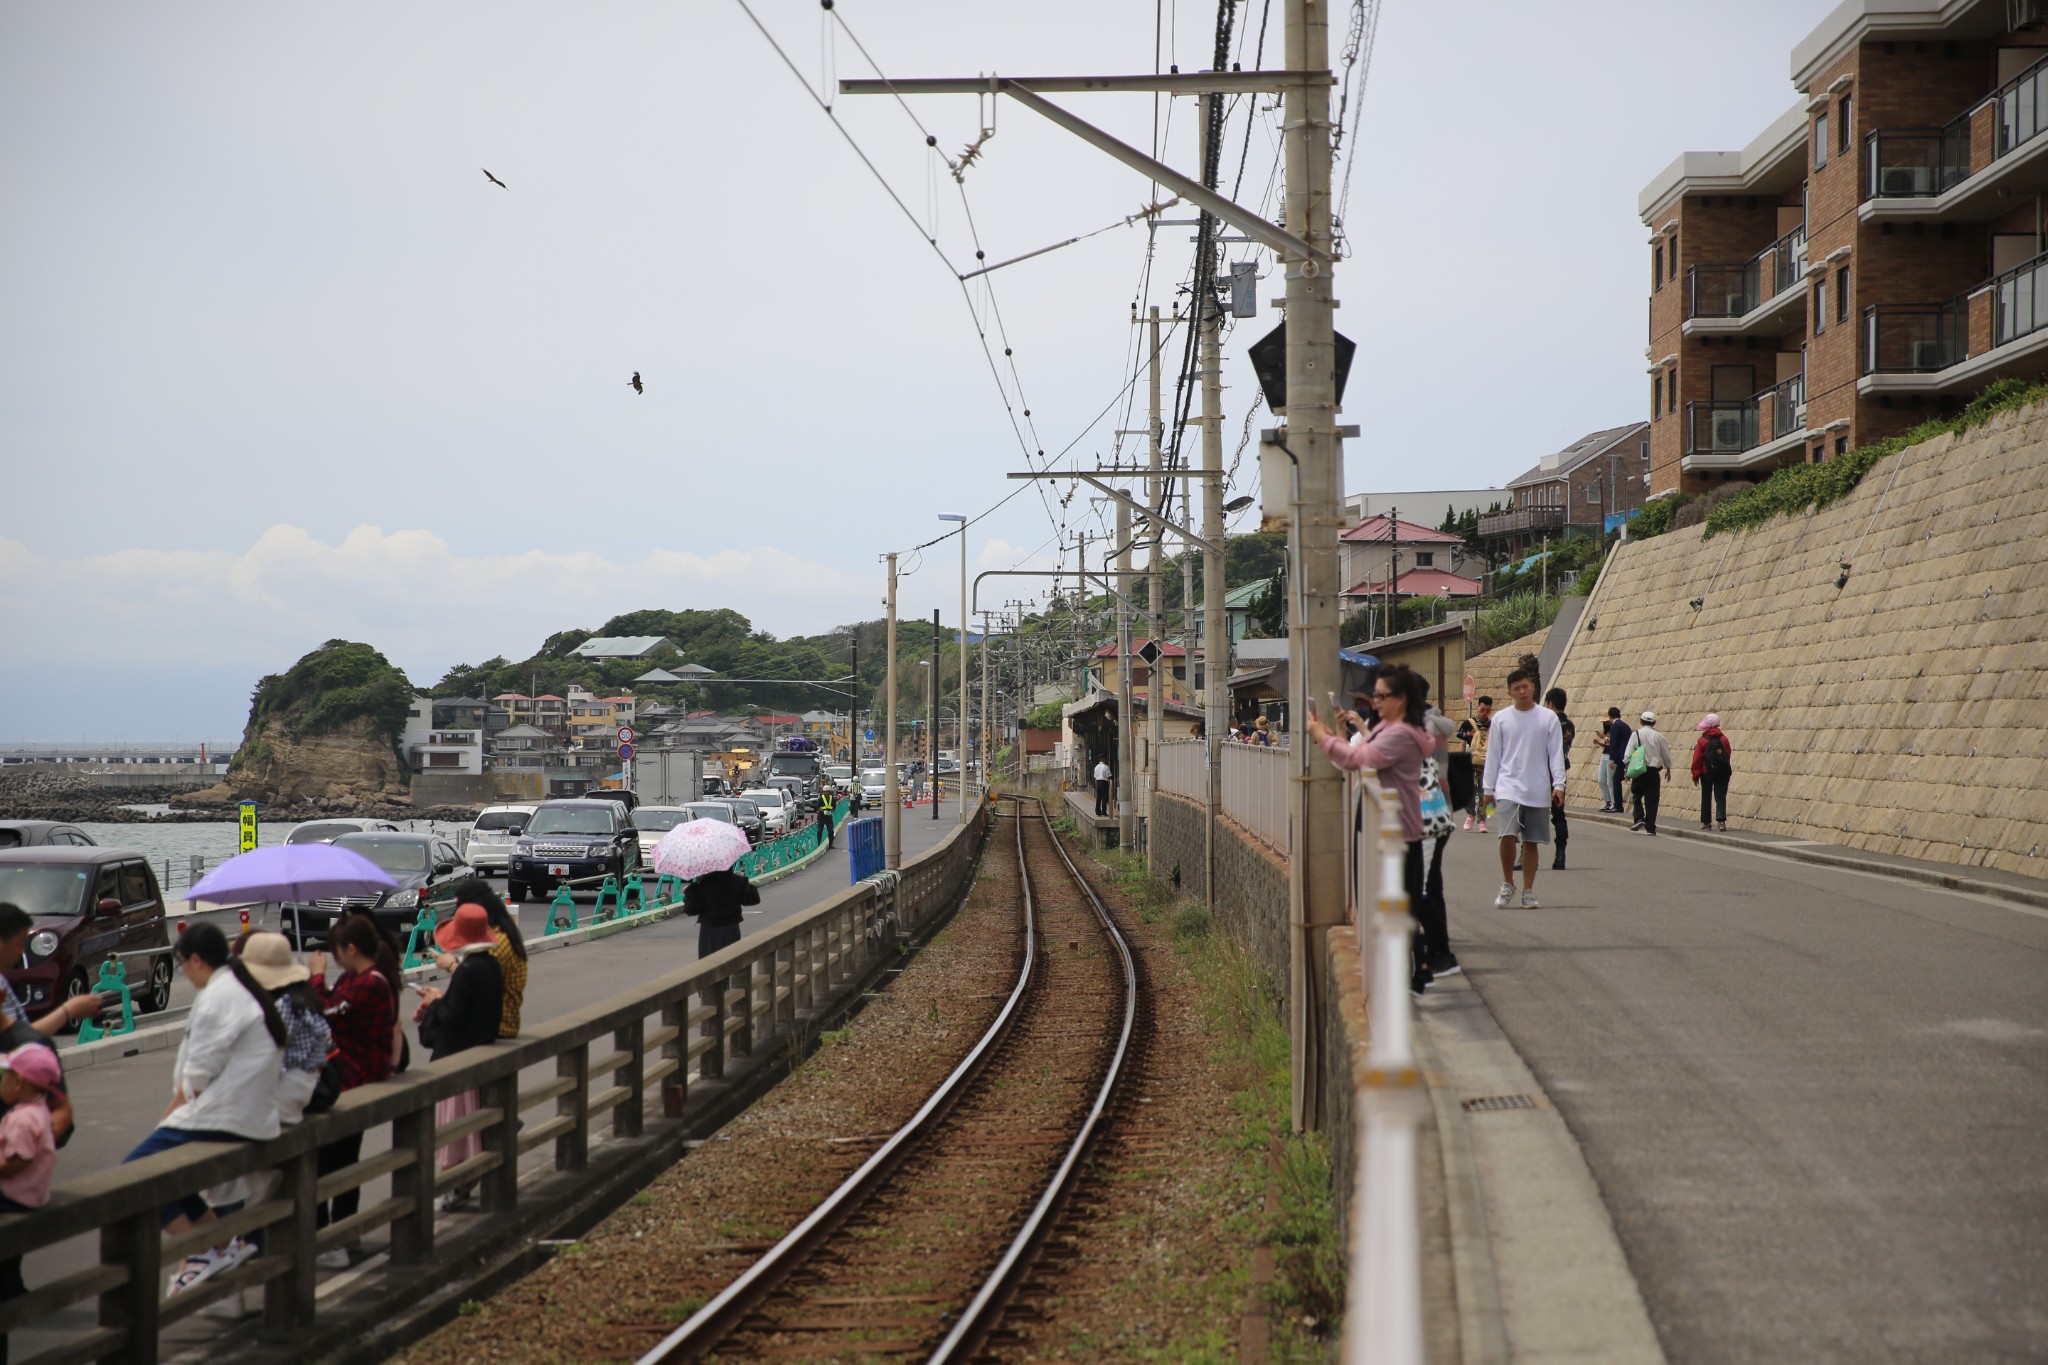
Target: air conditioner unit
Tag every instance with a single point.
(1930, 355)
(1905, 181)
(1728, 433)
(2022, 15)
(1738, 304)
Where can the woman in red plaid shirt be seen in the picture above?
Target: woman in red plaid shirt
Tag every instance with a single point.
(362, 1012)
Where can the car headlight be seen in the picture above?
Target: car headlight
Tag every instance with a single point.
(43, 943)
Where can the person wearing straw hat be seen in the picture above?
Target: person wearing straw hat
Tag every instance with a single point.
(464, 1016)
(308, 1040)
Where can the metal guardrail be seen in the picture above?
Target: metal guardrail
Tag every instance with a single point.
(667, 1038)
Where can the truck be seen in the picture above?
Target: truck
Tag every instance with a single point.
(668, 777)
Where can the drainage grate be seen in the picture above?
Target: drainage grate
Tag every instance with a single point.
(1488, 1103)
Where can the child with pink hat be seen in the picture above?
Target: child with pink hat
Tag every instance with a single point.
(28, 1144)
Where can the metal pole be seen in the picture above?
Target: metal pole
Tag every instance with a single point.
(1126, 813)
(982, 751)
(1215, 629)
(960, 763)
(1316, 831)
(892, 791)
(931, 744)
(1155, 590)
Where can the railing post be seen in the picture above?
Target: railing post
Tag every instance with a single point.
(675, 1087)
(784, 972)
(742, 1038)
(627, 1119)
(501, 1183)
(712, 1063)
(572, 1149)
(288, 1299)
(137, 1243)
(412, 1234)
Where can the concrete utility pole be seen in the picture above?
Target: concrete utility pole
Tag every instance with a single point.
(1215, 629)
(892, 792)
(931, 775)
(1316, 833)
(1126, 812)
(1155, 597)
(982, 752)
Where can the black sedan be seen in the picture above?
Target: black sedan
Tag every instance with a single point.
(42, 834)
(425, 866)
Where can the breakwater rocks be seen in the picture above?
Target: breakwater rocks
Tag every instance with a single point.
(44, 795)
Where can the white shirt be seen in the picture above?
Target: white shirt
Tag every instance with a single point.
(1525, 756)
(1102, 770)
(227, 1066)
(1657, 751)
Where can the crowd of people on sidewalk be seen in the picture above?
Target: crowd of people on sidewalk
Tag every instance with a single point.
(1506, 770)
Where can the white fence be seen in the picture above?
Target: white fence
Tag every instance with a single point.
(1184, 768)
(1254, 783)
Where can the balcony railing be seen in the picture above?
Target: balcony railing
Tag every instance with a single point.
(2019, 301)
(1915, 338)
(1522, 519)
(2022, 108)
(1731, 291)
(1721, 426)
(1916, 163)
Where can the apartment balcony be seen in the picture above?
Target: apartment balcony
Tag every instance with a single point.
(1996, 330)
(1761, 431)
(1762, 296)
(1522, 521)
(1970, 168)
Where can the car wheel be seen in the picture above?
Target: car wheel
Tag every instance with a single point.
(159, 998)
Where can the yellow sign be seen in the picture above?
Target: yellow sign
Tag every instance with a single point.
(248, 809)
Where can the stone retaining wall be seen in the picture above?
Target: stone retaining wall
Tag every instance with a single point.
(1251, 879)
(1901, 713)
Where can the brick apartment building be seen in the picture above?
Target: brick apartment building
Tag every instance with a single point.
(1573, 490)
(1874, 258)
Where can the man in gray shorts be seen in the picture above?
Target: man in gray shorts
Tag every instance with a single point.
(1525, 777)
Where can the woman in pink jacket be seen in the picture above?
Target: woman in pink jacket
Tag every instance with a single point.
(1393, 749)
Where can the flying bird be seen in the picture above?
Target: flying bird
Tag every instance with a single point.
(493, 179)
(635, 382)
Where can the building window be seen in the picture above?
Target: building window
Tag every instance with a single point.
(1671, 388)
(1646, 450)
(1842, 294)
(1843, 145)
(1425, 559)
(1841, 445)
(1820, 452)
(1820, 307)
(1656, 398)
(1593, 492)
(1657, 267)
(1673, 250)
(1820, 141)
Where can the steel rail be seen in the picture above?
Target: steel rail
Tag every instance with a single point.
(711, 1323)
(986, 1308)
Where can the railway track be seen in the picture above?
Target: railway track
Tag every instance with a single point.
(919, 1251)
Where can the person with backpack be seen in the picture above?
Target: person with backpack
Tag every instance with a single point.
(1712, 765)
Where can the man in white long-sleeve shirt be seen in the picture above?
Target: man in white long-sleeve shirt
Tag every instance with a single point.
(1525, 777)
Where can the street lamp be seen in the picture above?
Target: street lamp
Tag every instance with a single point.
(960, 778)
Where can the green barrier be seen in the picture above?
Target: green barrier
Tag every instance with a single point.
(610, 889)
(565, 900)
(634, 893)
(113, 980)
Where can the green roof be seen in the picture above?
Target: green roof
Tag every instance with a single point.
(1241, 597)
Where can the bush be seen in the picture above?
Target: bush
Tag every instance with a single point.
(1513, 616)
(1047, 717)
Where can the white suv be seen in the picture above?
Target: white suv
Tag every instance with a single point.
(493, 836)
(774, 809)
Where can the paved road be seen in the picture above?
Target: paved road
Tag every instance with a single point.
(1815, 1101)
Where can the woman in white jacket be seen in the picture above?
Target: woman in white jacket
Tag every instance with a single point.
(224, 1082)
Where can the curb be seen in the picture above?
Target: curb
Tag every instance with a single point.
(1836, 855)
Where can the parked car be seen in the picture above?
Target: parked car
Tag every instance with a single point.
(425, 866)
(747, 814)
(570, 840)
(775, 810)
(492, 837)
(651, 822)
(839, 778)
(801, 795)
(629, 800)
(89, 904)
(42, 834)
(327, 831)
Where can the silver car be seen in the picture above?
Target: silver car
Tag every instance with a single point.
(651, 822)
(492, 837)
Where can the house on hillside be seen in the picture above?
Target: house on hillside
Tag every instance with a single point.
(604, 647)
(1171, 664)
(1573, 490)
(1381, 547)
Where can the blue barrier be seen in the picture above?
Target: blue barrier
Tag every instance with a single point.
(864, 852)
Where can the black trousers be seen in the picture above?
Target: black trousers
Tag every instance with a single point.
(1647, 793)
(1432, 913)
(1102, 796)
(340, 1153)
(1560, 829)
(1412, 882)
(1714, 794)
(712, 938)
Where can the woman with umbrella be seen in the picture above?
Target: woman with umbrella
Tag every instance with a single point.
(704, 852)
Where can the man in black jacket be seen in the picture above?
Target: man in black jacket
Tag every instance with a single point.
(718, 900)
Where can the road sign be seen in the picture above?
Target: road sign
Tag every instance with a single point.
(248, 819)
(625, 734)
(1149, 651)
(626, 749)
(870, 734)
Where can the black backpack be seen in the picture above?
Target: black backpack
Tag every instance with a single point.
(1717, 756)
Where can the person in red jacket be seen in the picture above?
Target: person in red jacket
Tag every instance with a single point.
(1712, 764)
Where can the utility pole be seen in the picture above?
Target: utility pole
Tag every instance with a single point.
(931, 772)
(960, 743)
(1316, 831)
(1215, 629)
(1126, 813)
(892, 791)
(1155, 597)
(983, 750)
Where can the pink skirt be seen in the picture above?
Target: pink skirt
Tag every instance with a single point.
(448, 1111)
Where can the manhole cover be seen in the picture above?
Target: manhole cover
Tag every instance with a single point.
(1486, 1104)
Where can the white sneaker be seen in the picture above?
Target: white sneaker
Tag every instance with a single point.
(336, 1259)
(234, 1253)
(1529, 900)
(198, 1266)
(1506, 896)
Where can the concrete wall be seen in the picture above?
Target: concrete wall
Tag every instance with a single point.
(505, 786)
(1251, 879)
(1901, 714)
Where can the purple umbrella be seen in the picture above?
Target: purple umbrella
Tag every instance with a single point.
(291, 872)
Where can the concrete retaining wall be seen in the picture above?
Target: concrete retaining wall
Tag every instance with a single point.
(1901, 713)
(503, 787)
(1251, 879)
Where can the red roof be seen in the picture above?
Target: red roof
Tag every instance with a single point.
(1171, 651)
(511, 696)
(1421, 583)
(1407, 532)
(547, 696)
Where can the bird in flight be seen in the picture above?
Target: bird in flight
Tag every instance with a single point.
(493, 179)
(635, 382)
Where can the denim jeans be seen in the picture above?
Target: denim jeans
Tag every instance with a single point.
(163, 1140)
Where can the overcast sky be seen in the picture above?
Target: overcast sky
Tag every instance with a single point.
(278, 363)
